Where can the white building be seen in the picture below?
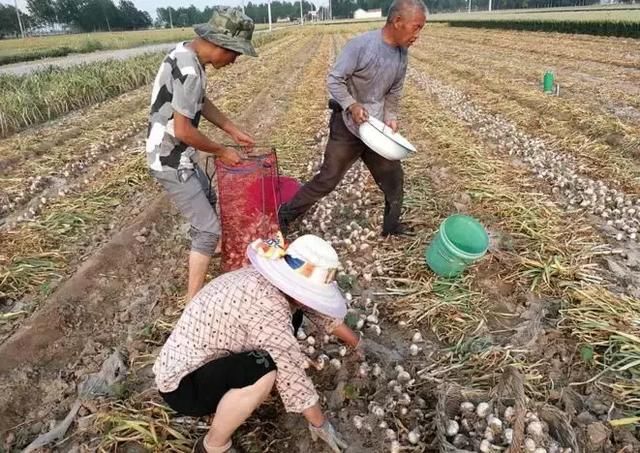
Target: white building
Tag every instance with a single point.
(369, 14)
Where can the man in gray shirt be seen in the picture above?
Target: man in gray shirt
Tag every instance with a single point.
(367, 78)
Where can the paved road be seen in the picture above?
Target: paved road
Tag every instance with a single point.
(70, 60)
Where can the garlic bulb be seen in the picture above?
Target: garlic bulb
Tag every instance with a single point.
(535, 430)
(489, 435)
(485, 446)
(483, 410)
(336, 363)
(529, 445)
(357, 422)
(509, 413)
(403, 376)
(417, 337)
(414, 437)
(311, 340)
(323, 359)
(414, 349)
(452, 428)
(494, 423)
(363, 371)
(508, 436)
(467, 407)
(460, 441)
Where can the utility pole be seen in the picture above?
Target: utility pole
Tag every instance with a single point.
(301, 16)
(170, 18)
(19, 19)
(489, 5)
(242, 6)
(269, 10)
(469, 5)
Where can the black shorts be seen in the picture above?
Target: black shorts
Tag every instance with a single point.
(200, 391)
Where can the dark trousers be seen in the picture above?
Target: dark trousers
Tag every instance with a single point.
(200, 391)
(343, 150)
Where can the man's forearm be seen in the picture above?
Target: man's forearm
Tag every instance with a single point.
(193, 137)
(215, 116)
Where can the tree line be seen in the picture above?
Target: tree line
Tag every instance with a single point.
(79, 15)
(344, 9)
(104, 15)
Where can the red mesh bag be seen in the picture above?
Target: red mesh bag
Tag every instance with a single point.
(249, 196)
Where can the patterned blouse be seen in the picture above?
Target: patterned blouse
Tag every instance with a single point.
(236, 312)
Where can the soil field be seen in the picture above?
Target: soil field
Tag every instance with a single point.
(93, 256)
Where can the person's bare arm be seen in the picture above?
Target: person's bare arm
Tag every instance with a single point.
(314, 415)
(348, 336)
(187, 133)
(215, 116)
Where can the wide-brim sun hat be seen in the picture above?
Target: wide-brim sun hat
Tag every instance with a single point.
(304, 270)
(229, 28)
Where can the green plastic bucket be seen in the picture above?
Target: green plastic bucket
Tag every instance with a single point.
(460, 241)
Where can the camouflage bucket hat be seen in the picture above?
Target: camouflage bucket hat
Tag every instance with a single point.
(229, 28)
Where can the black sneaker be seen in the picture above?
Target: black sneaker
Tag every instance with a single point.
(401, 230)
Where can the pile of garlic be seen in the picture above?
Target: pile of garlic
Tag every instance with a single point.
(481, 428)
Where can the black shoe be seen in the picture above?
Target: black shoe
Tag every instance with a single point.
(401, 230)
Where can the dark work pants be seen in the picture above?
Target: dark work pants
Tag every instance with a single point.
(343, 150)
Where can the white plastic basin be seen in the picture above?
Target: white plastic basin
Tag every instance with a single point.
(381, 139)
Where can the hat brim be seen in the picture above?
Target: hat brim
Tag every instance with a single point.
(323, 298)
(228, 42)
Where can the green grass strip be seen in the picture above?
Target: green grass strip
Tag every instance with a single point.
(595, 27)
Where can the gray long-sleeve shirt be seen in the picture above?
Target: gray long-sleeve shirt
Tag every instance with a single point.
(371, 72)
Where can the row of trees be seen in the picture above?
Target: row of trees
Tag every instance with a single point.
(95, 15)
(89, 15)
(9, 21)
(342, 9)
(82, 15)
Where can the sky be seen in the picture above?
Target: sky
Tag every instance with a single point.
(151, 5)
